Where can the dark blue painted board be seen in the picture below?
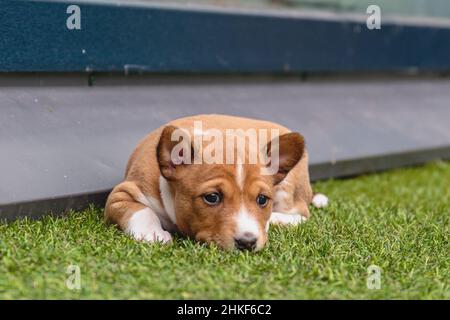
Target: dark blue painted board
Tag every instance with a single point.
(34, 37)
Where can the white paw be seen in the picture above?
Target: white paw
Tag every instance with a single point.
(144, 225)
(320, 200)
(285, 218)
(155, 236)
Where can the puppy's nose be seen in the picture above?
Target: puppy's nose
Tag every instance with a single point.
(246, 242)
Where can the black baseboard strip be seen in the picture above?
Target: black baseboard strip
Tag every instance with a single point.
(354, 167)
(53, 206)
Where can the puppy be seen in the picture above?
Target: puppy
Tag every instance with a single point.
(214, 178)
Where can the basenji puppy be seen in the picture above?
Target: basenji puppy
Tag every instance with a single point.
(214, 178)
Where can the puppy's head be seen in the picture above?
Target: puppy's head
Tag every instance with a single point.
(228, 204)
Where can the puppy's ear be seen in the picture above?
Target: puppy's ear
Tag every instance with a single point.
(174, 151)
(284, 153)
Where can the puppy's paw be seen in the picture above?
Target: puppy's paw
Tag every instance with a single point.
(154, 236)
(320, 200)
(144, 225)
(286, 218)
(159, 236)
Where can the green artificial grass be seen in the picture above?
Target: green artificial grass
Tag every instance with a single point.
(397, 220)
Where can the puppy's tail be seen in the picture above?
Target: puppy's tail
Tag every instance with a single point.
(320, 200)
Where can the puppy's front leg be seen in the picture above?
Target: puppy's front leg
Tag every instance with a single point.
(136, 219)
(145, 225)
(286, 218)
(287, 210)
(296, 213)
(292, 215)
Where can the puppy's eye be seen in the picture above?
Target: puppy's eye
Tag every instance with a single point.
(262, 200)
(212, 198)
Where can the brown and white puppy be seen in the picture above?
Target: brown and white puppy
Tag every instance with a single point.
(230, 203)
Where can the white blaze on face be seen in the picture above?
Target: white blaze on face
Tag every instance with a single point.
(246, 225)
(240, 175)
